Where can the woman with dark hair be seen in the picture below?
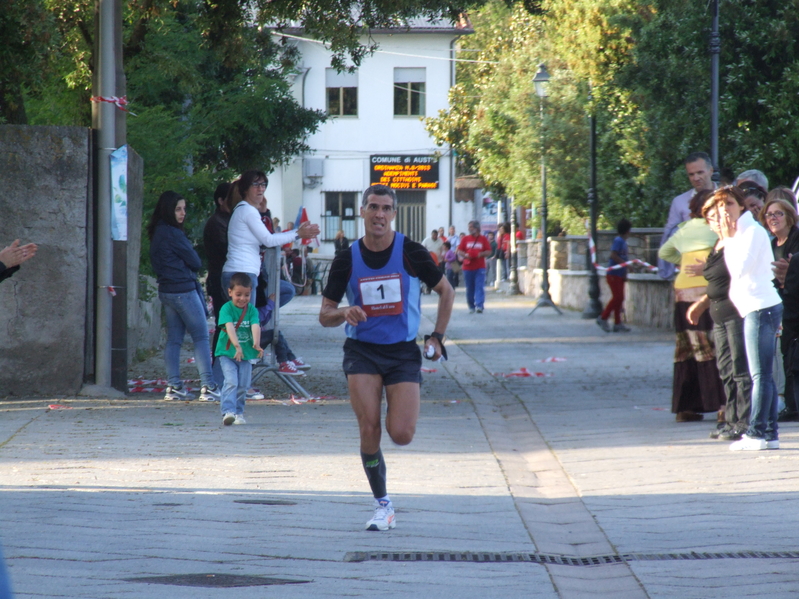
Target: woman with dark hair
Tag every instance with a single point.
(748, 255)
(697, 386)
(754, 197)
(176, 265)
(247, 232)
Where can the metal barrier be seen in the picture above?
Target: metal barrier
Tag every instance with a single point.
(270, 268)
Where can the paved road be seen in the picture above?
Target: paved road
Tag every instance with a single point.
(573, 485)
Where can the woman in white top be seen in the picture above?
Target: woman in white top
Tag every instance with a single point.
(748, 255)
(246, 231)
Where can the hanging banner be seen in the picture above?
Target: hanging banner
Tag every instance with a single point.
(404, 172)
(119, 194)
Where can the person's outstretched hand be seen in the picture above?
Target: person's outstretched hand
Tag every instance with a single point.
(16, 254)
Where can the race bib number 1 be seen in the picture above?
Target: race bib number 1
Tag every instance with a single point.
(381, 296)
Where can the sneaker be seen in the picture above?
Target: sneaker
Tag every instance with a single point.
(384, 516)
(301, 364)
(228, 419)
(471, 310)
(748, 443)
(479, 310)
(721, 427)
(733, 434)
(620, 328)
(177, 393)
(773, 444)
(239, 419)
(603, 324)
(289, 369)
(254, 394)
(209, 393)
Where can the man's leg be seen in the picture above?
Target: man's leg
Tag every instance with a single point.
(403, 411)
(366, 394)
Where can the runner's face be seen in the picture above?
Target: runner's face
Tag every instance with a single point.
(240, 295)
(378, 214)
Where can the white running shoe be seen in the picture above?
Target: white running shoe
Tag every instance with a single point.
(773, 444)
(254, 394)
(384, 516)
(748, 443)
(177, 393)
(239, 419)
(228, 419)
(209, 393)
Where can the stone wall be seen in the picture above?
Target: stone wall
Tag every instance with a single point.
(45, 175)
(649, 300)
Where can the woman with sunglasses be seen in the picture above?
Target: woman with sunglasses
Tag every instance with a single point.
(247, 232)
(748, 255)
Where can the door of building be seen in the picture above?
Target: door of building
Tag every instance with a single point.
(411, 212)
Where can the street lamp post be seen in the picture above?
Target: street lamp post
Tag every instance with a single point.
(715, 50)
(541, 81)
(593, 308)
(513, 277)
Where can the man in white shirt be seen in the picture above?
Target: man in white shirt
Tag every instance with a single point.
(433, 243)
(699, 169)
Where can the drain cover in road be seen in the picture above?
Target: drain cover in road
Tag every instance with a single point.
(215, 580)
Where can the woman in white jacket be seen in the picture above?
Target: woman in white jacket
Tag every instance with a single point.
(247, 232)
(748, 255)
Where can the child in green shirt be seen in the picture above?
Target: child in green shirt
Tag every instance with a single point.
(239, 342)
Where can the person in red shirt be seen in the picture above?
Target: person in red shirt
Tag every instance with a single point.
(473, 250)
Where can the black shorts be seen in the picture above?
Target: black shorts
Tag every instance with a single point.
(396, 363)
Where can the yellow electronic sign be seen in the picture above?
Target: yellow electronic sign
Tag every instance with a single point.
(404, 172)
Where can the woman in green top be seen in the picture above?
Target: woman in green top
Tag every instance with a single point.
(697, 386)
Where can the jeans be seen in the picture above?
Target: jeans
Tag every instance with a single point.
(475, 281)
(760, 336)
(283, 352)
(733, 370)
(185, 312)
(238, 376)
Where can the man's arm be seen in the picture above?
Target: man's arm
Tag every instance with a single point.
(330, 315)
(446, 297)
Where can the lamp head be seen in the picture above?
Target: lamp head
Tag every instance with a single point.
(541, 81)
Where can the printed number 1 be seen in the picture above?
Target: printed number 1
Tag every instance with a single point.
(382, 292)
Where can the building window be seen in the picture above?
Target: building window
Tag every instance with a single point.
(340, 215)
(409, 92)
(342, 93)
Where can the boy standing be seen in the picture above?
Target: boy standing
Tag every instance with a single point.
(239, 342)
(616, 279)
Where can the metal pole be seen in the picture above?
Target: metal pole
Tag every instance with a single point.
(544, 299)
(593, 308)
(715, 50)
(513, 277)
(106, 87)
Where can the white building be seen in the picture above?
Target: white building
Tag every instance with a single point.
(375, 135)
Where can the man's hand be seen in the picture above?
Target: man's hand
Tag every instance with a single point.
(330, 315)
(353, 315)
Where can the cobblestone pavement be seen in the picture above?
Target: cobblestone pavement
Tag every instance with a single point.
(574, 484)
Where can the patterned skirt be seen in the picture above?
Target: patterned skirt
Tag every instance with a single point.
(697, 385)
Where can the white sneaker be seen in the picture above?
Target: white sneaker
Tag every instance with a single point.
(239, 419)
(177, 393)
(254, 394)
(384, 516)
(773, 444)
(228, 419)
(748, 443)
(209, 394)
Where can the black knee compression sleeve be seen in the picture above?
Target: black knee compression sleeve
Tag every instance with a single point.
(375, 467)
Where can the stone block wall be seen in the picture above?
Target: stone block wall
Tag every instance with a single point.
(45, 175)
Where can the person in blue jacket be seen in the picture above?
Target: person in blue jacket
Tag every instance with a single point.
(176, 265)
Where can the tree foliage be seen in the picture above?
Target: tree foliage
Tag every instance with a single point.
(647, 66)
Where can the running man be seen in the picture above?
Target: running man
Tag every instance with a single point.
(381, 275)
